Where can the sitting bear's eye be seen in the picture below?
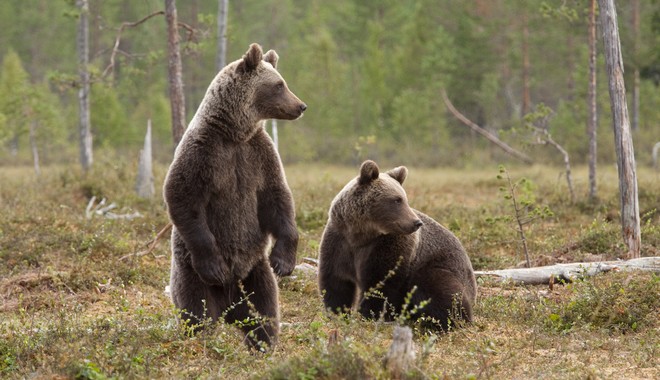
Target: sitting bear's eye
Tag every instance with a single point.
(279, 86)
(398, 200)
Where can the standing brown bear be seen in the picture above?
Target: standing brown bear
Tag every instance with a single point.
(376, 249)
(227, 196)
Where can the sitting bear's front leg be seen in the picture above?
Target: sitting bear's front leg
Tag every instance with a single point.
(382, 282)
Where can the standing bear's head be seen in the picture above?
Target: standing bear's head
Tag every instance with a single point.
(250, 90)
(374, 204)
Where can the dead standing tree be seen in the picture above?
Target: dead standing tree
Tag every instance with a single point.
(622, 137)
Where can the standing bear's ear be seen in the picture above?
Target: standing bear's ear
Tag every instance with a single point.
(251, 59)
(398, 174)
(368, 172)
(271, 57)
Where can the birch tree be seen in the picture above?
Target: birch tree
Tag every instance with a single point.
(85, 129)
(221, 58)
(592, 121)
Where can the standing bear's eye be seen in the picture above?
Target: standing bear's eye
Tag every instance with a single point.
(398, 200)
(279, 86)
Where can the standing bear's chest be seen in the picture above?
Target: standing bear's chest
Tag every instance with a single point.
(237, 173)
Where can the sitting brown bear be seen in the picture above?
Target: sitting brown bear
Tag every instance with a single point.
(375, 243)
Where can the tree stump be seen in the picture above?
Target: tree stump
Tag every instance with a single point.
(401, 353)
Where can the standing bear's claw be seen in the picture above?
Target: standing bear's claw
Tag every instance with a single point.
(212, 272)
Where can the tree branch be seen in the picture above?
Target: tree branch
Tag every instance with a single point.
(492, 138)
(115, 48)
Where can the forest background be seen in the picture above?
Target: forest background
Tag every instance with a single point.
(371, 73)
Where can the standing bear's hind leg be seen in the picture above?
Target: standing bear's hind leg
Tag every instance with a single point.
(255, 307)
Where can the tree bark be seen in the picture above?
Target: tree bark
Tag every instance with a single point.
(220, 62)
(85, 130)
(592, 122)
(623, 139)
(177, 99)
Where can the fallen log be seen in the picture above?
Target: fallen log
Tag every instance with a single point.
(568, 272)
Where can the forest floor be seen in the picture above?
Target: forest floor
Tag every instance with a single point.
(75, 302)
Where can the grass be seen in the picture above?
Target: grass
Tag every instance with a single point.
(71, 308)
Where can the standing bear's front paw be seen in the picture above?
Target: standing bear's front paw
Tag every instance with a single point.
(212, 270)
(283, 256)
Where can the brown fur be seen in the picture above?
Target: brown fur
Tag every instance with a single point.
(227, 196)
(371, 230)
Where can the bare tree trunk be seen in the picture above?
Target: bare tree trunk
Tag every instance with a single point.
(654, 155)
(592, 122)
(177, 99)
(222, 34)
(623, 140)
(85, 130)
(635, 31)
(33, 146)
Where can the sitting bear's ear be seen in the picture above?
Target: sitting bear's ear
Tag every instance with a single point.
(271, 57)
(399, 173)
(251, 59)
(368, 172)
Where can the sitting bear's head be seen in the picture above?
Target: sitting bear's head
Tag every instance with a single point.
(375, 203)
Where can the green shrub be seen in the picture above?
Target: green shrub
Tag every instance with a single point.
(620, 302)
